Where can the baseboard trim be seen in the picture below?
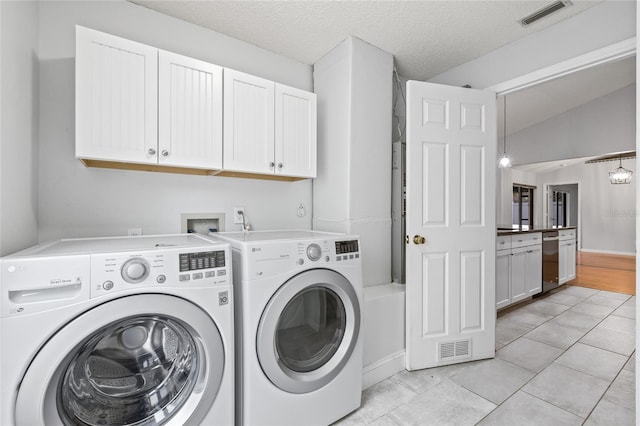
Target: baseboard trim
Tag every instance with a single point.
(621, 253)
(382, 369)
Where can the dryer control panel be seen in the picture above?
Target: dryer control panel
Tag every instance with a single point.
(347, 250)
(269, 258)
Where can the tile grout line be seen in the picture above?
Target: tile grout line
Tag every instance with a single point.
(564, 351)
(607, 389)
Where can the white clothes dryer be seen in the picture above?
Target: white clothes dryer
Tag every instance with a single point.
(118, 331)
(298, 318)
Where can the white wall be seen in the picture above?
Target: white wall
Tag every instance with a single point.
(80, 201)
(602, 126)
(607, 212)
(604, 24)
(19, 129)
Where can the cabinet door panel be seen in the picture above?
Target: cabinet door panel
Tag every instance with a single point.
(533, 270)
(190, 112)
(571, 260)
(518, 268)
(295, 132)
(503, 278)
(116, 98)
(563, 260)
(248, 123)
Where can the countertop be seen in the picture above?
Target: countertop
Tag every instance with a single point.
(502, 230)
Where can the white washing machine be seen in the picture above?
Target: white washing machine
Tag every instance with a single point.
(118, 331)
(298, 318)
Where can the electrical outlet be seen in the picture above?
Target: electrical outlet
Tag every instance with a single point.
(134, 232)
(300, 212)
(238, 212)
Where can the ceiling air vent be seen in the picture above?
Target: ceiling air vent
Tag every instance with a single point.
(545, 11)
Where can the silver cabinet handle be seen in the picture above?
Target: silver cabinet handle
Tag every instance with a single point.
(272, 164)
(152, 151)
(164, 152)
(279, 165)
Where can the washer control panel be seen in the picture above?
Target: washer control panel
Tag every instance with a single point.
(202, 260)
(169, 267)
(314, 252)
(135, 270)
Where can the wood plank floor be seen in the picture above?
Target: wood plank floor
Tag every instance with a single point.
(609, 272)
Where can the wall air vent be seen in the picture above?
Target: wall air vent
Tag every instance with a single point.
(545, 11)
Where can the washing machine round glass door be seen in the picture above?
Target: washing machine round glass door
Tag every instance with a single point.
(308, 330)
(160, 361)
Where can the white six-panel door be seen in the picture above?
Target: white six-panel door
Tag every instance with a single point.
(451, 161)
(189, 112)
(116, 98)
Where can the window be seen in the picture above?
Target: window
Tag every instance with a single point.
(523, 206)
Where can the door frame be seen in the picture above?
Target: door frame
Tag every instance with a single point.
(613, 52)
(610, 53)
(545, 205)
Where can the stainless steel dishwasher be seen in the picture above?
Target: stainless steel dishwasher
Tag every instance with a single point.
(550, 249)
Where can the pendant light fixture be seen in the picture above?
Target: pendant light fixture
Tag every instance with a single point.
(620, 175)
(505, 161)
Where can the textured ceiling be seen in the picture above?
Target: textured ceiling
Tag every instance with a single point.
(425, 37)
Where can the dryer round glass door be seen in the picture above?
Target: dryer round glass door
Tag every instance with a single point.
(146, 367)
(308, 330)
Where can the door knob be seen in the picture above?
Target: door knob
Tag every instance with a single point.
(419, 239)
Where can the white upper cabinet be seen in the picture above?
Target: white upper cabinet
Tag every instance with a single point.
(116, 98)
(248, 123)
(139, 107)
(190, 112)
(139, 104)
(269, 128)
(295, 132)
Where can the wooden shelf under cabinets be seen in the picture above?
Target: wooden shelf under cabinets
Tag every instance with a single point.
(183, 170)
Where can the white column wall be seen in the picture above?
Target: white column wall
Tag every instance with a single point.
(353, 190)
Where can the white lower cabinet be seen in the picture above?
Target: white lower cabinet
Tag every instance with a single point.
(518, 273)
(518, 269)
(533, 270)
(567, 261)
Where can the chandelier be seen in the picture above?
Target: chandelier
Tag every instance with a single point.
(620, 175)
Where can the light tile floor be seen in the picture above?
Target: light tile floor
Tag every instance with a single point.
(567, 358)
